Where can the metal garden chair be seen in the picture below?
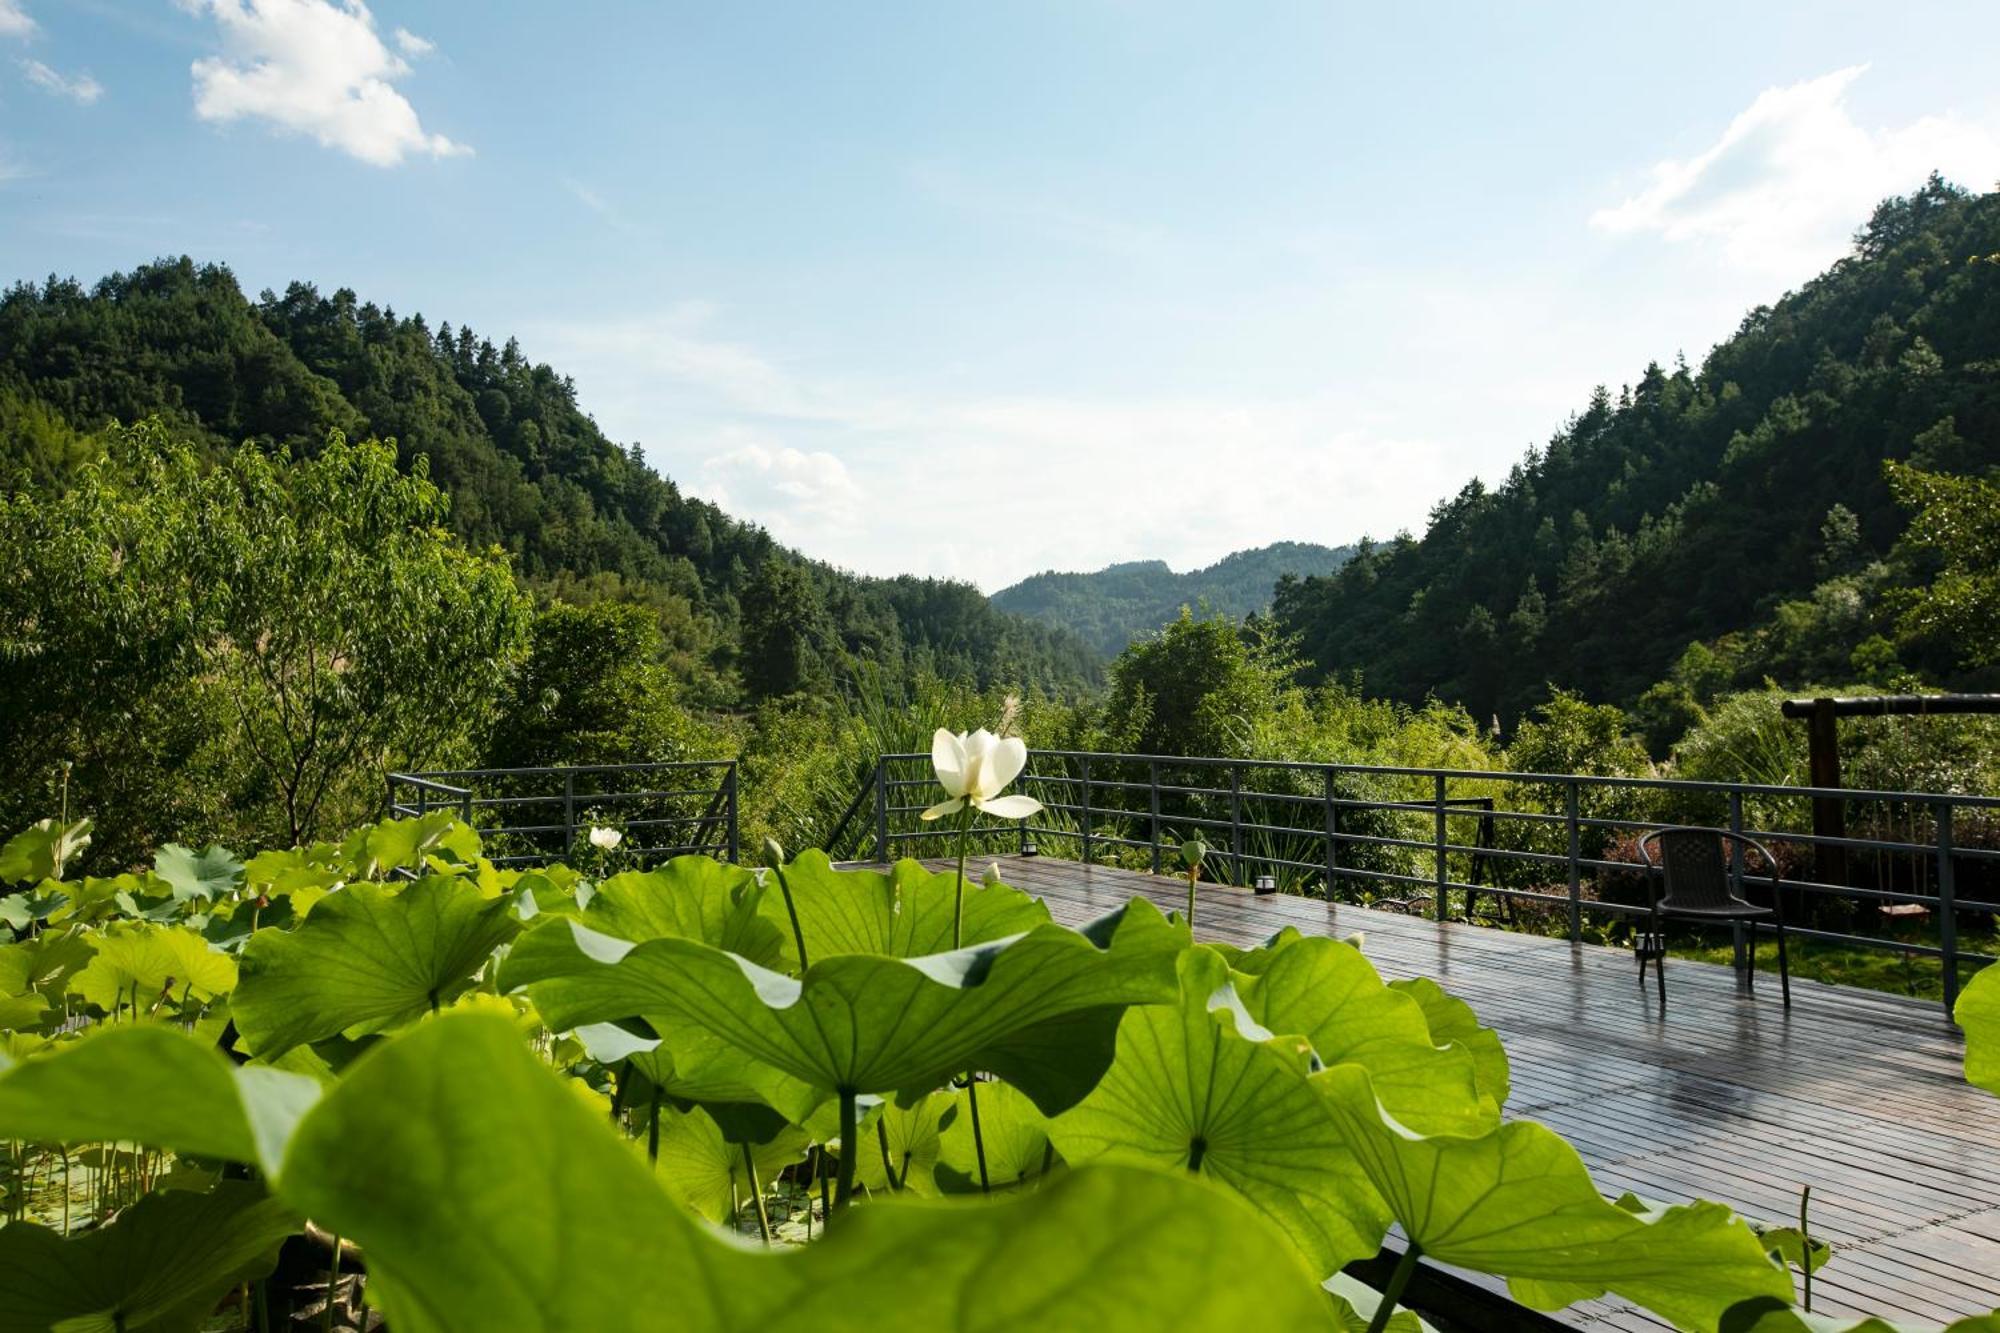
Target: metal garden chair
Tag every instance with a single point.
(1694, 864)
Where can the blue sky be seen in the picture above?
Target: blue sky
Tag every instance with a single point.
(980, 289)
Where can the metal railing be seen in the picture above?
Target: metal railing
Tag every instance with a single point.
(1554, 844)
(527, 815)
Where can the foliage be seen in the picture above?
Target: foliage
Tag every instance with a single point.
(1957, 522)
(1701, 503)
(397, 1040)
(1115, 606)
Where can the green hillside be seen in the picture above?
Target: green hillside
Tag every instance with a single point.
(1111, 607)
(524, 465)
(1709, 526)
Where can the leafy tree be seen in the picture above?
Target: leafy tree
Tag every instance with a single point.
(592, 689)
(1198, 687)
(286, 630)
(352, 633)
(786, 634)
(1957, 523)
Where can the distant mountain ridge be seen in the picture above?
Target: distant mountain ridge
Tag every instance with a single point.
(1114, 605)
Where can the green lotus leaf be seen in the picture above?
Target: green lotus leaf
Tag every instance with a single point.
(1199, 1085)
(368, 959)
(1452, 1020)
(1013, 1131)
(1039, 1009)
(280, 874)
(903, 912)
(1325, 991)
(460, 1237)
(694, 1065)
(160, 1268)
(1766, 1315)
(1518, 1202)
(145, 963)
(915, 1142)
(1978, 1012)
(404, 844)
(690, 897)
(39, 852)
(701, 1167)
(156, 1086)
(207, 875)
(45, 963)
(1789, 1245)
(18, 1013)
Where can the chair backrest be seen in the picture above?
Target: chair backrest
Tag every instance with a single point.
(1695, 866)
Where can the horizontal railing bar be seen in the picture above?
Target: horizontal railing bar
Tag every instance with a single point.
(1509, 776)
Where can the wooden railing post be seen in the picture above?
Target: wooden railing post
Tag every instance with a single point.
(1947, 896)
(1575, 827)
(1442, 867)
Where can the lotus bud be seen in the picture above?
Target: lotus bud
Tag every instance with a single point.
(991, 879)
(774, 852)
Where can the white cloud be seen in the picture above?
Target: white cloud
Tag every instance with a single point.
(1781, 191)
(806, 498)
(313, 67)
(80, 88)
(14, 20)
(412, 45)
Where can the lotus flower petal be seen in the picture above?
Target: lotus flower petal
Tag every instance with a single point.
(948, 758)
(1009, 757)
(1011, 807)
(943, 808)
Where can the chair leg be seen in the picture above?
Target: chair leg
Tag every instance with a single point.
(1784, 966)
(1660, 960)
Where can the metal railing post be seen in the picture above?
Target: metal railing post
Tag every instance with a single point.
(735, 846)
(1736, 879)
(882, 809)
(1083, 769)
(569, 809)
(1236, 823)
(1153, 796)
(1947, 896)
(1441, 868)
(1332, 837)
(1571, 818)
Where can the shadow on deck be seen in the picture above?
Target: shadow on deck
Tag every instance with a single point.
(1859, 1094)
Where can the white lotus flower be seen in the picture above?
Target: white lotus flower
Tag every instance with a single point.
(605, 838)
(974, 769)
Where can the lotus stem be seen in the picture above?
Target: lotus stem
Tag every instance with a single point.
(1394, 1292)
(882, 1137)
(332, 1284)
(792, 911)
(1197, 1149)
(653, 1129)
(843, 1181)
(1805, 1244)
(1194, 873)
(958, 887)
(757, 1193)
(978, 1138)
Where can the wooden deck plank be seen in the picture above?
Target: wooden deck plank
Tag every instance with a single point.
(1724, 1096)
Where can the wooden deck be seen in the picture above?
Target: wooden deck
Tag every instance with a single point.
(1859, 1094)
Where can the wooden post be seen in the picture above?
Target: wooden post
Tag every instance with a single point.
(1829, 812)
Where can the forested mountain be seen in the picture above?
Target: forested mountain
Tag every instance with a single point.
(524, 465)
(1116, 604)
(1707, 527)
